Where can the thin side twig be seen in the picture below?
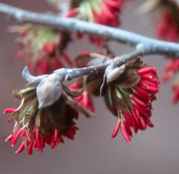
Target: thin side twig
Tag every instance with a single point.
(68, 74)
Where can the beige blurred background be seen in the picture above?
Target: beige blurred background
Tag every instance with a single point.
(155, 151)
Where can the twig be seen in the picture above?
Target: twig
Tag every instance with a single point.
(151, 46)
(96, 69)
(67, 74)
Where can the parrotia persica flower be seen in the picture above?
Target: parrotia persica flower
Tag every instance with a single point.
(171, 72)
(46, 64)
(130, 99)
(40, 47)
(168, 28)
(104, 12)
(35, 128)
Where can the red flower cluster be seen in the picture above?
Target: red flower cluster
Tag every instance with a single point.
(39, 47)
(46, 65)
(105, 12)
(167, 28)
(172, 67)
(175, 90)
(141, 97)
(34, 128)
(35, 140)
(171, 70)
(108, 14)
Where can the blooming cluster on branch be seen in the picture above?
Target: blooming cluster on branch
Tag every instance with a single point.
(61, 87)
(46, 118)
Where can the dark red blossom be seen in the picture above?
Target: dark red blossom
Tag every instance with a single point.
(132, 103)
(171, 71)
(46, 65)
(175, 90)
(35, 128)
(105, 12)
(39, 47)
(167, 28)
(171, 68)
(108, 14)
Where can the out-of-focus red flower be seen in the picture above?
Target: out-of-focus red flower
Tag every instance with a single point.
(84, 99)
(171, 68)
(108, 13)
(46, 65)
(39, 48)
(171, 71)
(175, 90)
(105, 12)
(167, 28)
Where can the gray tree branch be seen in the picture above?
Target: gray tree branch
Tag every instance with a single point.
(149, 45)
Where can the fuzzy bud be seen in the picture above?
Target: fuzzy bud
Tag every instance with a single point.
(49, 90)
(112, 73)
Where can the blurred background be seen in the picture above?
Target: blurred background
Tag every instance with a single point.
(93, 151)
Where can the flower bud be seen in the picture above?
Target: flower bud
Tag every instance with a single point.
(49, 90)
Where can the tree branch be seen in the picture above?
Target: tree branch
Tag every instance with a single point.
(148, 45)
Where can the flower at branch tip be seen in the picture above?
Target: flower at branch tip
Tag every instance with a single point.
(35, 128)
(130, 99)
